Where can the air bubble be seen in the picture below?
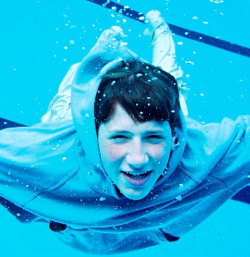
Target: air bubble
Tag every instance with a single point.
(217, 1)
(179, 197)
(189, 62)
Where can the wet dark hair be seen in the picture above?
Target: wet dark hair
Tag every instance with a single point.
(146, 93)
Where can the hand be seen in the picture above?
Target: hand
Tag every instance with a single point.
(154, 18)
(112, 38)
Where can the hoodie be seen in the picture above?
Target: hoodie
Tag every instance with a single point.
(53, 171)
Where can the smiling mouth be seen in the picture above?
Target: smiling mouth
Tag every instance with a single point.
(136, 179)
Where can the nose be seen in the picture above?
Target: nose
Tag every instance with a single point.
(137, 157)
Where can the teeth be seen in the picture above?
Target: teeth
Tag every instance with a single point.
(137, 174)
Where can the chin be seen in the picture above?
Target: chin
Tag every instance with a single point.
(135, 194)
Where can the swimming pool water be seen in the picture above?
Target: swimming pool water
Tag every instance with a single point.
(41, 39)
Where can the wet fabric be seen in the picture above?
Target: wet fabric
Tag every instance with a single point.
(164, 56)
(53, 170)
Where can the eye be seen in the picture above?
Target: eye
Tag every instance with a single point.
(120, 139)
(155, 139)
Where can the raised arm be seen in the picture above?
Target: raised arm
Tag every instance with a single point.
(60, 106)
(163, 56)
(164, 51)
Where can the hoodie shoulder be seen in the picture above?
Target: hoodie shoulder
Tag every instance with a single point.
(208, 144)
(35, 159)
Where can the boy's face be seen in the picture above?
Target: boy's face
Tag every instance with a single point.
(134, 155)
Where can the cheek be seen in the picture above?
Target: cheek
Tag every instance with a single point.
(159, 151)
(115, 152)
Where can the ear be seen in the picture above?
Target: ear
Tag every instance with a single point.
(174, 140)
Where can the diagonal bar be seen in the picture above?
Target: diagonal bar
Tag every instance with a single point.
(187, 33)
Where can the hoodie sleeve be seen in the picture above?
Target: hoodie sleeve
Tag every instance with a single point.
(35, 159)
(59, 108)
(164, 55)
(163, 45)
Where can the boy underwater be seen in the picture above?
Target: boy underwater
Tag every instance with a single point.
(115, 162)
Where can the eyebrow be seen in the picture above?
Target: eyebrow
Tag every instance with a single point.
(146, 132)
(119, 131)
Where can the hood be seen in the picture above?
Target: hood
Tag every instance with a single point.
(103, 57)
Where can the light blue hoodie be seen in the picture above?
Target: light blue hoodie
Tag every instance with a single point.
(53, 171)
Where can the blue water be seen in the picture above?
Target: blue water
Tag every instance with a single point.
(41, 39)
